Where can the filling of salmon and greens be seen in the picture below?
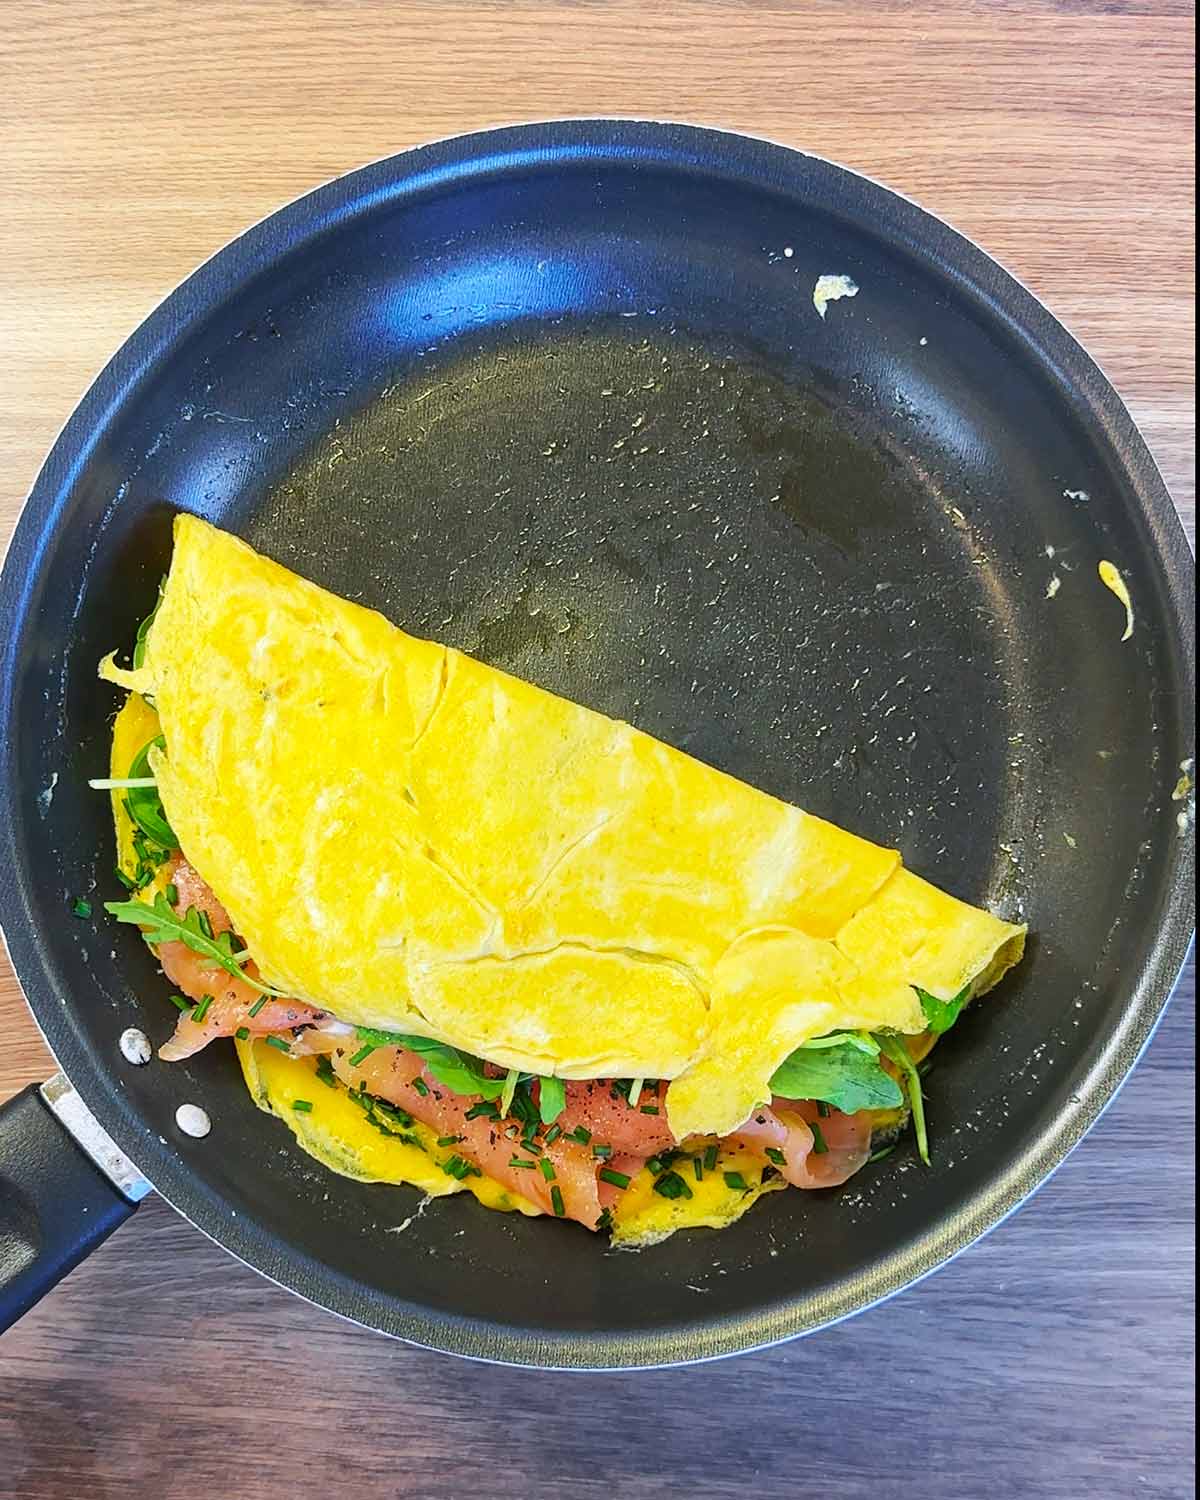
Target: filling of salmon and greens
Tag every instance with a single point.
(598, 1151)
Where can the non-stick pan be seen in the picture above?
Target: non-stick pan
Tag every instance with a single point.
(561, 396)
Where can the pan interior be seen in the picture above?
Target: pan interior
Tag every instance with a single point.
(588, 425)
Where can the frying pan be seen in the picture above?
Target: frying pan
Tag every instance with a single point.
(560, 396)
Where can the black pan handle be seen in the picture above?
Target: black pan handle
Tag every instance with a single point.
(64, 1188)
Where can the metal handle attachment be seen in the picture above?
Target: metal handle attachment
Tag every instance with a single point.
(64, 1187)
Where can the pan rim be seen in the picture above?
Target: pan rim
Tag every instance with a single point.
(730, 156)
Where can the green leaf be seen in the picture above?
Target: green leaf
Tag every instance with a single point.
(940, 1015)
(895, 1049)
(139, 644)
(552, 1098)
(844, 1076)
(863, 1040)
(161, 924)
(509, 1090)
(457, 1070)
(144, 804)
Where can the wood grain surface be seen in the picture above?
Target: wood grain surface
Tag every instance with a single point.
(1053, 1359)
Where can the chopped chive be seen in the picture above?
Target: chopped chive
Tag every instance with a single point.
(776, 1155)
(362, 1054)
(484, 1108)
(820, 1148)
(547, 1169)
(582, 1135)
(180, 1003)
(655, 1163)
(279, 1044)
(614, 1178)
(648, 1109)
(200, 1009)
(421, 1086)
(552, 1134)
(398, 1117)
(205, 921)
(735, 1180)
(671, 1185)
(698, 1168)
(823, 1109)
(710, 1159)
(450, 1140)
(635, 1091)
(302, 1106)
(882, 1154)
(324, 1070)
(171, 892)
(556, 1200)
(601, 1151)
(460, 1170)
(396, 1135)
(520, 1161)
(81, 908)
(242, 1033)
(523, 1107)
(126, 881)
(257, 1006)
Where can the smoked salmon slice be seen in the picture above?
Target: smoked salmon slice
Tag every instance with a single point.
(234, 1003)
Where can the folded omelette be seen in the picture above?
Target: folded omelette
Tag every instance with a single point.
(416, 842)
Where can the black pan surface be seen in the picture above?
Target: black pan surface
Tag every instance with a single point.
(559, 395)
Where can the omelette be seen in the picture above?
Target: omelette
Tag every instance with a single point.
(474, 937)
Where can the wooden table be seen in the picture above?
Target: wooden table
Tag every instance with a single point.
(1054, 1359)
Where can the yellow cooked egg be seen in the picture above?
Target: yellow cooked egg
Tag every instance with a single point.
(421, 843)
(1111, 578)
